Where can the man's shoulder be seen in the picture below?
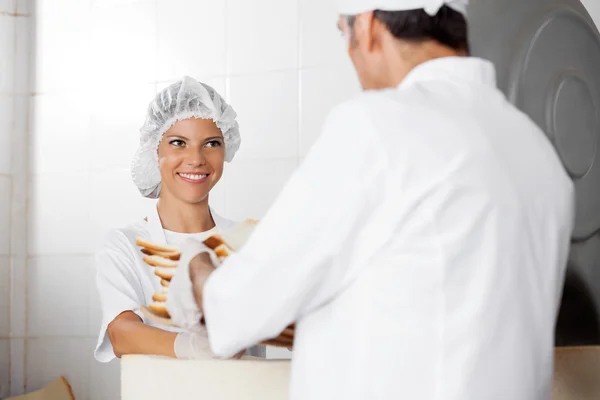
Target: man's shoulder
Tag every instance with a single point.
(370, 104)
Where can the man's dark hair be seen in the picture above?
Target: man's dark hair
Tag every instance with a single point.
(448, 26)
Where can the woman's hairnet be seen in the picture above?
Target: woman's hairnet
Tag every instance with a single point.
(184, 99)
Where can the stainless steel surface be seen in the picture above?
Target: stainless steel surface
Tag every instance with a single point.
(547, 55)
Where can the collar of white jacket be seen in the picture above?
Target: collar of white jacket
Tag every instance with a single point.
(431, 7)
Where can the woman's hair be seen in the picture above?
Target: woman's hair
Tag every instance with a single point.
(448, 26)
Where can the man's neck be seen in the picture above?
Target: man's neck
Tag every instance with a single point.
(404, 57)
(178, 216)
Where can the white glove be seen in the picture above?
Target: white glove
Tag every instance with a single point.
(195, 346)
(181, 304)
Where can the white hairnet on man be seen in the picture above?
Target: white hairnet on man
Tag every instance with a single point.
(421, 246)
(186, 98)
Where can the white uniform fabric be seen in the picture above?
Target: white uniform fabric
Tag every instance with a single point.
(431, 7)
(124, 281)
(421, 248)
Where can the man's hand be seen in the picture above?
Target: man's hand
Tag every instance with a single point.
(200, 269)
(181, 301)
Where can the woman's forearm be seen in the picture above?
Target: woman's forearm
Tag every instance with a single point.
(129, 335)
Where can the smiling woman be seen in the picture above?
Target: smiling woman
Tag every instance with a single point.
(189, 132)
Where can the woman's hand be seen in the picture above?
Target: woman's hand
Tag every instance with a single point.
(195, 346)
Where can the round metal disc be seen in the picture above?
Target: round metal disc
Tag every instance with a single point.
(548, 64)
(547, 58)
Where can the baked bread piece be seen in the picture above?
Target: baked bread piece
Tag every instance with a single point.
(165, 273)
(168, 256)
(156, 247)
(157, 261)
(160, 309)
(160, 297)
(213, 241)
(234, 238)
(222, 251)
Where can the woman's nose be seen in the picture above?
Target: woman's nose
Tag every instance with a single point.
(195, 158)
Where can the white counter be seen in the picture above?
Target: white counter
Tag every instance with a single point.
(158, 378)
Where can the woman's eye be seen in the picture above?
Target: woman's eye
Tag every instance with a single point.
(177, 143)
(213, 143)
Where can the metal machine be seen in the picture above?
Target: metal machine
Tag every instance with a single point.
(547, 55)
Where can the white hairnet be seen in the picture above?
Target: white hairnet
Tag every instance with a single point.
(431, 7)
(184, 99)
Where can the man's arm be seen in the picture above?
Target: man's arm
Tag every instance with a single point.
(200, 269)
(302, 253)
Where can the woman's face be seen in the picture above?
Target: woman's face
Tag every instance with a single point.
(190, 157)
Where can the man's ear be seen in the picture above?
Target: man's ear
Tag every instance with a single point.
(378, 32)
(363, 32)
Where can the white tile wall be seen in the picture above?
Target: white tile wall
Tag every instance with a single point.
(267, 107)
(12, 155)
(59, 214)
(4, 368)
(106, 382)
(6, 127)
(117, 113)
(261, 35)
(18, 296)
(7, 46)
(18, 218)
(94, 312)
(593, 7)
(8, 6)
(24, 6)
(113, 190)
(4, 297)
(123, 39)
(339, 82)
(191, 38)
(5, 208)
(217, 197)
(23, 54)
(62, 50)
(19, 137)
(48, 358)
(17, 366)
(251, 187)
(60, 132)
(58, 288)
(323, 45)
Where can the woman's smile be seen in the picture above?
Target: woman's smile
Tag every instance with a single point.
(194, 178)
